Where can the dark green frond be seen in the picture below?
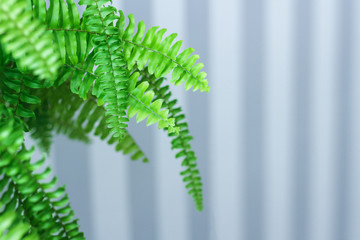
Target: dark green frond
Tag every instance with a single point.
(16, 92)
(91, 118)
(43, 126)
(4, 56)
(46, 207)
(62, 107)
(111, 67)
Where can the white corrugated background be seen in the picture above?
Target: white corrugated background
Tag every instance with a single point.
(278, 136)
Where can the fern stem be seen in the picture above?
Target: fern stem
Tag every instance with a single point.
(80, 69)
(21, 203)
(18, 95)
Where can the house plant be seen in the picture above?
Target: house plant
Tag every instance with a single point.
(63, 73)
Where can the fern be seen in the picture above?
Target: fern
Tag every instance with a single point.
(161, 54)
(111, 65)
(142, 105)
(15, 92)
(27, 40)
(182, 140)
(81, 76)
(52, 217)
(63, 105)
(42, 128)
(13, 228)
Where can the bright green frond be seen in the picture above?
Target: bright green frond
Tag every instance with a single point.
(142, 105)
(63, 17)
(27, 40)
(161, 54)
(12, 228)
(180, 142)
(81, 77)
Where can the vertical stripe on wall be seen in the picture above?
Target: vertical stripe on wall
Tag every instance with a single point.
(71, 161)
(354, 176)
(278, 144)
(197, 104)
(142, 176)
(110, 199)
(302, 135)
(72, 168)
(344, 113)
(173, 219)
(224, 120)
(324, 122)
(254, 15)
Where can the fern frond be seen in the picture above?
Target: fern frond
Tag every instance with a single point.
(91, 118)
(181, 141)
(4, 56)
(11, 132)
(60, 17)
(11, 228)
(126, 145)
(112, 72)
(62, 107)
(27, 40)
(12, 202)
(42, 127)
(161, 54)
(48, 209)
(141, 103)
(16, 92)
(81, 77)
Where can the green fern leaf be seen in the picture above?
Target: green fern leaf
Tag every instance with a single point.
(38, 197)
(113, 76)
(27, 41)
(162, 56)
(16, 92)
(61, 18)
(11, 228)
(141, 103)
(42, 127)
(181, 142)
(4, 56)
